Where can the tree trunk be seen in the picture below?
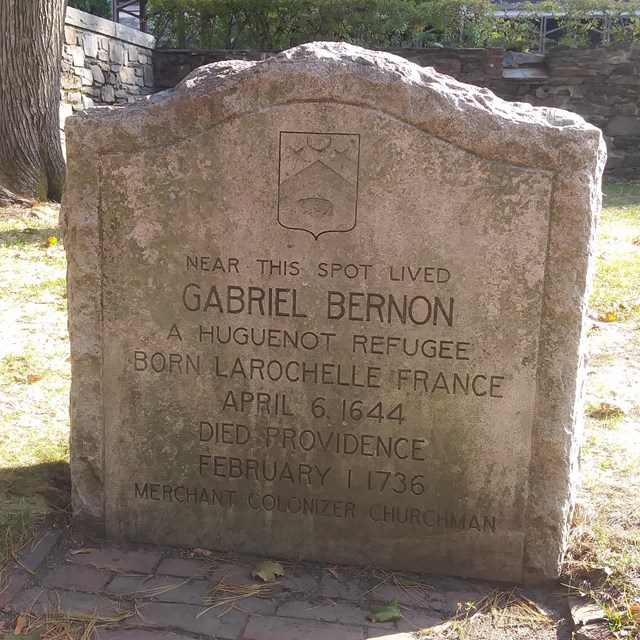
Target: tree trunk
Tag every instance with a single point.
(31, 160)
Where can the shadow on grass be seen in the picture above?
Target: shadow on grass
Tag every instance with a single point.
(619, 194)
(30, 496)
(27, 236)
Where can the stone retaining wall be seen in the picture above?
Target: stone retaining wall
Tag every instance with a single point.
(103, 62)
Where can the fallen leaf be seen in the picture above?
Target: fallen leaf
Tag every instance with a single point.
(385, 612)
(34, 377)
(606, 410)
(203, 552)
(51, 240)
(21, 623)
(608, 316)
(77, 552)
(333, 571)
(267, 570)
(634, 609)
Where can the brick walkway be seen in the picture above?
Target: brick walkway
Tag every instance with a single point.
(141, 592)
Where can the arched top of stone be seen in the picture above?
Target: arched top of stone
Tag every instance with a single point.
(471, 118)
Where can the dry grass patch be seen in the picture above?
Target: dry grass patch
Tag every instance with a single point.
(604, 555)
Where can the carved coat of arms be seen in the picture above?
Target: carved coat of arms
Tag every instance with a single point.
(318, 187)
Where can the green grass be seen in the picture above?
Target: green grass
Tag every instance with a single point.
(34, 371)
(617, 265)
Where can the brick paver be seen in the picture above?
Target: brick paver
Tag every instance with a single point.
(110, 557)
(39, 600)
(382, 634)
(300, 582)
(184, 567)
(408, 596)
(289, 629)
(11, 585)
(191, 618)
(33, 599)
(353, 589)
(77, 578)
(343, 613)
(258, 606)
(38, 549)
(160, 588)
(137, 634)
(232, 573)
(414, 620)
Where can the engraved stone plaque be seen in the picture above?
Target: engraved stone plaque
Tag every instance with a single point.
(329, 306)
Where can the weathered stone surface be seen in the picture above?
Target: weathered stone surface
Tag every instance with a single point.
(98, 75)
(71, 82)
(127, 75)
(77, 54)
(624, 126)
(37, 549)
(116, 50)
(415, 253)
(11, 585)
(70, 36)
(107, 93)
(148, 76)
(90, 44)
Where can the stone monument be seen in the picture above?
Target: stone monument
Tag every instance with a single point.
(330, 306)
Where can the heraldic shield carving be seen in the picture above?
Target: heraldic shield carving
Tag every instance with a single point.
(318, 181)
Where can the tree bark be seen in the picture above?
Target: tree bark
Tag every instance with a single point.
(31, 160)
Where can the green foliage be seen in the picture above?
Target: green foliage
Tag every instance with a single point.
(582, 18)
(385, 612)
(100, 8)
(457, 23)
(279, 24)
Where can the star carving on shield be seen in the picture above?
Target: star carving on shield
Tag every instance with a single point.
(318, 181)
